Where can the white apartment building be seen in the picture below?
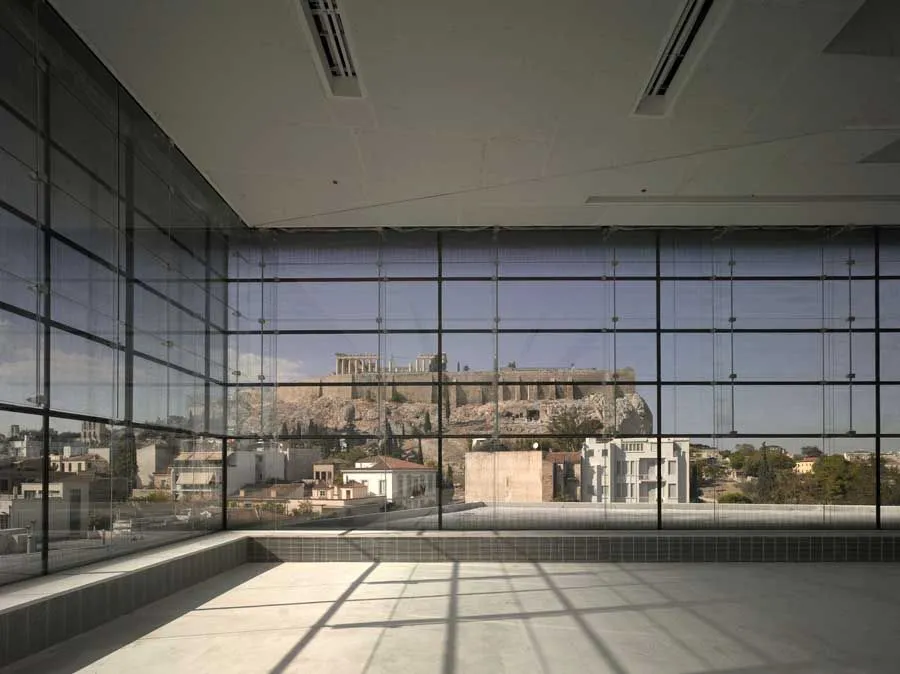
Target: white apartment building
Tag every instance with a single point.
(624, 470)
(398, 481)
(199, 473)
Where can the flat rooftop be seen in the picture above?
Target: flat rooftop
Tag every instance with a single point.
(473, 617)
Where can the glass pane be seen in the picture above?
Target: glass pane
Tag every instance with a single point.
(765, 253)
(18, 188)
(469, 254)
(21, 363)
(576, 253)
(17, 78)
(80, 196)
(694, 357)
(577, 304)
(469, 305)
(81, 134)
(85, 293)
(777, 409)
(151, 392)
(890, 414)
(84, 376)
(21, 263)
(83, 225)
(22, 451)
(890, 304)
(316, 306)
(806, 482)
(586, 356)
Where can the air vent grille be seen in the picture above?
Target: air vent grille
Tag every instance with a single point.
(329, 33)
(676, 49)
(679, 43)
(329, 27)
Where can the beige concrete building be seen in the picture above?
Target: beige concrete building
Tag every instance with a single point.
(805, 466)
(530, 476)
(504, 477)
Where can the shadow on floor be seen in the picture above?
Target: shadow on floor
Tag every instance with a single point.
(110, 637)
(468, 618)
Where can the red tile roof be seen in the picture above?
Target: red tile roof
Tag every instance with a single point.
(390, 463)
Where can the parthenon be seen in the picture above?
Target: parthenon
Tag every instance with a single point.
(360, 363)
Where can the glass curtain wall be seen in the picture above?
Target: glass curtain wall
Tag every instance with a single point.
(580, 379)
(166, 371)
(113, 311)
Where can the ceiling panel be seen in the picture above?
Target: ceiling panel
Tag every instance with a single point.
(508, 112)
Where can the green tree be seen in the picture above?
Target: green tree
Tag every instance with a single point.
(572, 426)
(738, 460)
(834, 478)
(389, 445)
(735, 497)
(420, 457)
(793, 488)
(426, 425)
(123, 462)
(765, 478)
(696, 478)
(811, 451)
(284, 430)
(862, 488)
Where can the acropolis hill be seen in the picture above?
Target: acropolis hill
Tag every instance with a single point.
(357, 377)
(528, 399)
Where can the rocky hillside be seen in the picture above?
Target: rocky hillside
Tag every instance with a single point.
(629, 414)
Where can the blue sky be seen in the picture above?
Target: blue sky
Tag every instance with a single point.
(87, 299)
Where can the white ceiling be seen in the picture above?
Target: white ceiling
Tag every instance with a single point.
(514, 112)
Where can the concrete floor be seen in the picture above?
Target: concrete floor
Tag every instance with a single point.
(495, 617)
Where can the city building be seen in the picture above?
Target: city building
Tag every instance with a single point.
(199, 474)
(94, 434)
(529, 476)
(70, 504)
(400, 482)
(625, 470)
(27, 448)
(152, 458)
(806, 465)
(79, 463)
(299, 462)
(327, 471)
